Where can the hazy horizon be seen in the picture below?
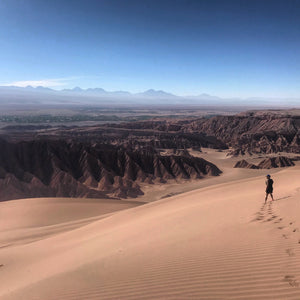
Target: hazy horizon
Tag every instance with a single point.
(150, 92)
(229, 49)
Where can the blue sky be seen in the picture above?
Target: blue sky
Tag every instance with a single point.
(232, 48)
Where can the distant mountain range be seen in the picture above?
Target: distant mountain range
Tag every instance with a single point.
(12, 95)
(99, 91)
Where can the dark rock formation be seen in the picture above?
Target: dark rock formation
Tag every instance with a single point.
(275, 162)
(268, 163)
(69, 169)
(244, 164)
(247, 133)
(252, 132)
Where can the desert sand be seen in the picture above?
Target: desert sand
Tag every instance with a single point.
(219, 241)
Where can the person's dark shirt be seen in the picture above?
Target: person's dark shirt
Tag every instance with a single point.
(269, 185)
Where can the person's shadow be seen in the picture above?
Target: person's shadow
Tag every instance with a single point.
(282, 198)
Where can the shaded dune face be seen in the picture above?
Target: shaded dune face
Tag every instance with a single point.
(69, 169)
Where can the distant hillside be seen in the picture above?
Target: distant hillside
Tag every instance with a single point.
(253, 133)
(65, 169)
(246, 133)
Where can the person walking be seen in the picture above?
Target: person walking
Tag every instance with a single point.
(269, 188)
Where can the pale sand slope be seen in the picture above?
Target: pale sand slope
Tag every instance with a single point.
(26, 220)
(218, 242)
(220, 159)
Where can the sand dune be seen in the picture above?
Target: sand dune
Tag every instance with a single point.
(217, 242)
(27, 220)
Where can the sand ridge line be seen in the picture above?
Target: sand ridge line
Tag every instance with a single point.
(236, 182)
